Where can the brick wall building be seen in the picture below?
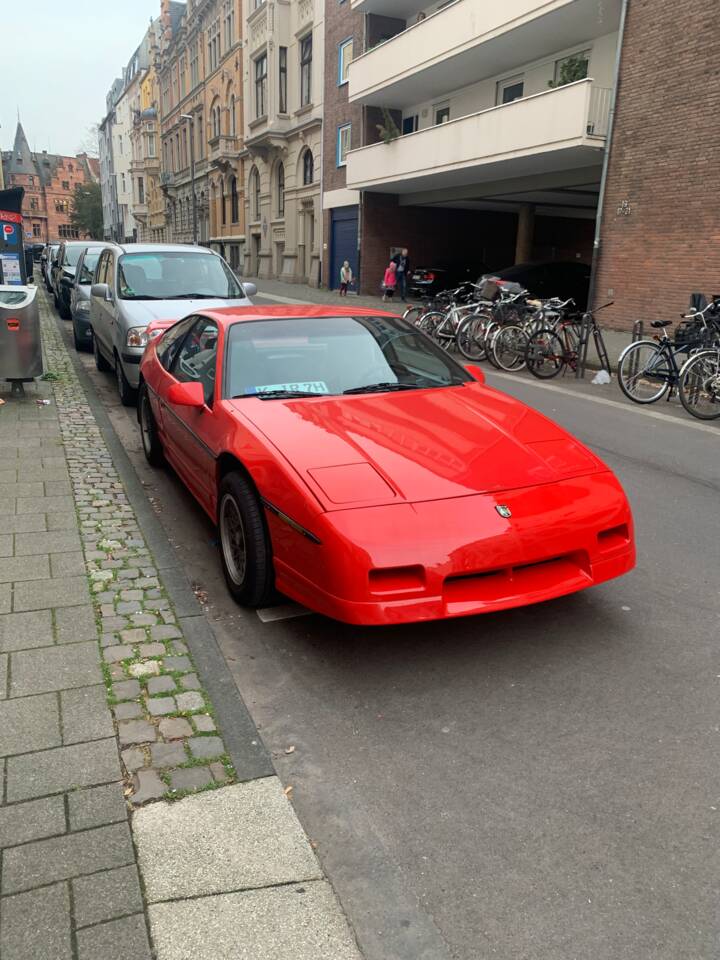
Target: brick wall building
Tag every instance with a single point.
(49, 181)
(660, 232)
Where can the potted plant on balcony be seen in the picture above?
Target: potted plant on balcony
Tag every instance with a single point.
(388, 129)
(571, 70)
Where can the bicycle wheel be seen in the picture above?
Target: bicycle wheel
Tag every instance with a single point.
(492, 329)
(430, 322)
(545, 354)
(700, 385)
(470, 339)
(644, 373)
(414, 315)
(508, 348)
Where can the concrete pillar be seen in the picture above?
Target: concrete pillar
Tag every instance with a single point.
(525, 233)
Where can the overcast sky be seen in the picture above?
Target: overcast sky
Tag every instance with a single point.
(59, 61)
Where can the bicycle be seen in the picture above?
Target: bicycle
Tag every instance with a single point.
(508, 345)
(699, 385)
(552, 351)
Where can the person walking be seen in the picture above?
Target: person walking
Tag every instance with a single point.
(390, 281)
(402, 263)
(346, 278)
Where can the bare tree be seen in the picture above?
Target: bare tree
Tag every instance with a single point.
(89, 144)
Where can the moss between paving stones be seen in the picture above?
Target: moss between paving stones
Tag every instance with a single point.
(118, 560)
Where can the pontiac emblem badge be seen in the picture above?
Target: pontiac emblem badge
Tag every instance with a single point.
(504, 511)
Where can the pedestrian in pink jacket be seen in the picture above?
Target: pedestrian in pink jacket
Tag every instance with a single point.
(390, 281)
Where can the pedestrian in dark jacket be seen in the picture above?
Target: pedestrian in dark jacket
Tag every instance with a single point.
(402, 263)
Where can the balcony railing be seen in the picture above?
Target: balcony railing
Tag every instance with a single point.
(223, 148)
(599, 112)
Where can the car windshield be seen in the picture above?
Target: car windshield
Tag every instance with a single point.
(176, 275)
(87, 271)
(315, 356)
(72, 255)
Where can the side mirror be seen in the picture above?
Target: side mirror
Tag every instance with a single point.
(101, 290)
(250, 289)
(187, 394)
(475, 372)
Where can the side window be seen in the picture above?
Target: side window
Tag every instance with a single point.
(196, 360)
(172, 341)
(101, 269)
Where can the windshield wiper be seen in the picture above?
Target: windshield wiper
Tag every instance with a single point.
(384, 387)
(139, 296)
(279, 394)
(196, 296)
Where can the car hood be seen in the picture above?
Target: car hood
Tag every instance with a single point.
(417, 446)
(141, 312)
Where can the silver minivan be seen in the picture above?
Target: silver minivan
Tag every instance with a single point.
(138, 282)
(80, 296)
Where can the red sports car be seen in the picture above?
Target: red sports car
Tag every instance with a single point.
(357, 468)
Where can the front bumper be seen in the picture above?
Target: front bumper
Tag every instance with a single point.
(459, 557)
(81, 323)
(131, 357)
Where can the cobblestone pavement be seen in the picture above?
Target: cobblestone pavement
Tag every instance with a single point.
(101, 706)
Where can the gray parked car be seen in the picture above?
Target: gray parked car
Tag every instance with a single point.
(46, 259)
(62, 273)
(138, 282)
(80, 296)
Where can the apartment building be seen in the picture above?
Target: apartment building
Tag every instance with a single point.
(283, 93)
(147, 199)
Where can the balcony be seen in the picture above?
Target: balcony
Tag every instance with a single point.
(223, 150)
(470, 41)
(559, 130)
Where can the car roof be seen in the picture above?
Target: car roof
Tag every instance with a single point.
(77, 243)
(161, 247)
(227, 316)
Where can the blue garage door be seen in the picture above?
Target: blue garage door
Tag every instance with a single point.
(343, 244)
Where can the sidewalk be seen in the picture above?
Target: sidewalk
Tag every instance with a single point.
(280, 292)
(140, 815)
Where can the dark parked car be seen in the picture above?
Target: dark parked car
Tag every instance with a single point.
(551, 278)
(429, 281)
(63, 274)
(80, 296)
(46, 259)
(37, 249)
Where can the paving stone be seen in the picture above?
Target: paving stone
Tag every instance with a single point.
(22, 631)
(3, 675)
(190, 701)
(161, 685)
(131, 595)
(105, 896)
(128, 711)
(112, 624)
(57, 488)
(5, 598)
(143, 619)
(67, 565)
(44, 504)
(65, 520)
(133, 758)
(128, 606)
(165, 632)
(62, 768)
(74, 624)
(204, 723)
(34, 820)
(85, 714)
(152, 650)
(23, 937)
(177, 663)
(59, 541)
(117, 672)
(219, 772)
(168, 754)
(117, 653)
(46, 861)
(108, 640)
(96, 806)
(191, 778)
(25, 524)
(148, 669)
(15, 569)
(59, 592)
(206, 748)
(136, 731)
(8, 490)
(190, 682)
(116, 940)
(54, 668)
(129, 573)
(180, 647)
(161, 706)
(175, 728)
(6, 545)
(126, 690)
(28, 724)
(147, 786)
(133, 636)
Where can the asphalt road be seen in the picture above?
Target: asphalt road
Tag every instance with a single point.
(535, 785)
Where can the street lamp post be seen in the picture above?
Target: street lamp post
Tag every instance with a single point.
(187, 116)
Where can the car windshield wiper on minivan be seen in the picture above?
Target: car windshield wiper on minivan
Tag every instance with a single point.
(197, 296)
(139, 296)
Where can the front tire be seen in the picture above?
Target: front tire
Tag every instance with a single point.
(152, 448)
(100, 362)
(127, 394)
(245, 549)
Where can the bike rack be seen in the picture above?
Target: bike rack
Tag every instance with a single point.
(638, 331)
(583, 344)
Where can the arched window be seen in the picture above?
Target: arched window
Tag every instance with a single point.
(215, 119)
(308, 168)
(280, 190)
(234, 204)
(233, 120)
(254, 193)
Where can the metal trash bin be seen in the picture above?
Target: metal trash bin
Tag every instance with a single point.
(20, 342)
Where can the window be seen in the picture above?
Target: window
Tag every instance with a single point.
(571, 69)
(215, 120)
(151, 145)
(280, 190)
(344, 136)
(223, 208)
(141, 190)
(196, 360)
(306, 45)
(66, 232)
(442, 114)
(33, 203)
(409, 124)
(234, 201)
(66, 185)
(229, 22)
(261, 86)
(233, 114)
(254, 194)
(172, 341)
(511, 89)
(124, 185)
(282, 104)
(194, 72)
(308, 168)
(36, 229)
(183, 77)
(345, 55)
(31, 179)
(213, 45)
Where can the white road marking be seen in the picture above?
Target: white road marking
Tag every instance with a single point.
(287, 611)
(627, 407)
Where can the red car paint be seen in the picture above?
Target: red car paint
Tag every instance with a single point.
(383, 508)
